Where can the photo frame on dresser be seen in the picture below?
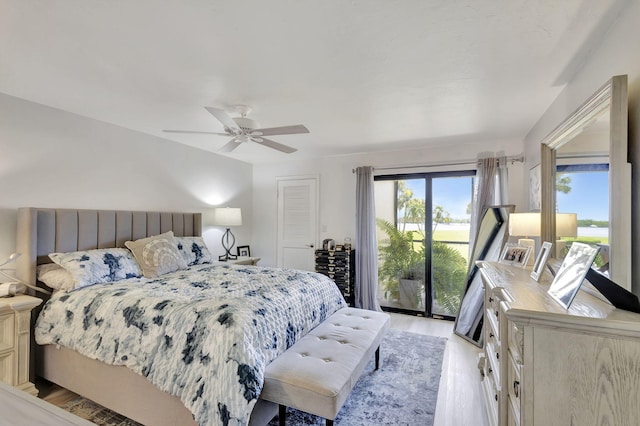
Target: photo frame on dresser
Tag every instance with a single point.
(571, 274)
(515, 255)
(541, 260)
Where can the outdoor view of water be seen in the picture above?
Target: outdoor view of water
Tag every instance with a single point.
(584, 231)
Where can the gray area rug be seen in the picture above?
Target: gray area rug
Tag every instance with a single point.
(402, 392)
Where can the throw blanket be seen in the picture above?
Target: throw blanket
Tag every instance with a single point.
(204, 335)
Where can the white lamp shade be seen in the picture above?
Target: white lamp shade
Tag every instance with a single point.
(524, 224)
(227, 216)
(566, 225)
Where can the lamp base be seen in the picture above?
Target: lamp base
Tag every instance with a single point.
(228, 241)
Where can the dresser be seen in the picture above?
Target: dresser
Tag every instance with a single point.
(546, 365)
(15, 338)
(340, 266)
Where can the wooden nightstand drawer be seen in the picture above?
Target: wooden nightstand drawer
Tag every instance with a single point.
(7, 332)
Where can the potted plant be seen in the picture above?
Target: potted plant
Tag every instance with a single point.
(400, 263)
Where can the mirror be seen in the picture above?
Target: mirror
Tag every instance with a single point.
(608, 109)
(491, 236)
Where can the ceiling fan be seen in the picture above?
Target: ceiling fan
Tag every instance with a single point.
(244, 129)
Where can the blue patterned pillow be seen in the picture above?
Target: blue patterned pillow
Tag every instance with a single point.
(98, 266)
(193, 250)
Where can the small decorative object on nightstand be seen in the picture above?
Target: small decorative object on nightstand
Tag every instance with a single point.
(15, 337)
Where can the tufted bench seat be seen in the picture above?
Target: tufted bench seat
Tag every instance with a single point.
(317, 373)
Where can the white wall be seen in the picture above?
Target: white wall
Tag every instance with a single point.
(51, 158)
(338, 187)
(617, 54)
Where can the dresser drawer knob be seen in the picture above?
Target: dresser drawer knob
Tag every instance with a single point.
(491, 300)
(496, 397)
(516, 388)
(491, 335)
(497, 355)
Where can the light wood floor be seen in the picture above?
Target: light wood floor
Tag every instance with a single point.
(459, 398)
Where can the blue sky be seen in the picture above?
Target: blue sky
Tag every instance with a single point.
(453, 194)
(588, 197)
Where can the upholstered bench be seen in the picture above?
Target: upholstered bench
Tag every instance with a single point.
(317, 373)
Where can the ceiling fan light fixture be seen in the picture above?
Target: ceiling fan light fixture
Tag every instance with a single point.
(246, 124)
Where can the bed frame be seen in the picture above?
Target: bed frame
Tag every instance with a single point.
(42, 231)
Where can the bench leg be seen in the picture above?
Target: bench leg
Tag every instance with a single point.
(282, 414)
(329, 422)
(378, 358)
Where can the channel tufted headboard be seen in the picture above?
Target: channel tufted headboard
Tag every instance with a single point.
(42, 231)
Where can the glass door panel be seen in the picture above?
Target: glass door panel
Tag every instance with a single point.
(400, 210)
(450, 242)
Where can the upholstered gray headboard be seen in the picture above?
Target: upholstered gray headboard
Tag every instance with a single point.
(42, 231)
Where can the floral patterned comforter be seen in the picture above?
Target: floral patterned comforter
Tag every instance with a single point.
(204, 335)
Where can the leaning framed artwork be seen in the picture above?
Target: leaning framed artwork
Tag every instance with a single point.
(515, 255)
(569, 278)
(244, 251)
(541, 260)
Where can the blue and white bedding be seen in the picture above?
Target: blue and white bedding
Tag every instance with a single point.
(204, 334)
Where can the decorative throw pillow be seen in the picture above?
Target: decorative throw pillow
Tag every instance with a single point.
(157, 255)
(98, 266)
(193, 250)
(55, 277)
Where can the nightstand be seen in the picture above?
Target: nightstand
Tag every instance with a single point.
(15, 338)
(245, 260)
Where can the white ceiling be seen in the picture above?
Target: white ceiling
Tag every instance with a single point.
(362, 75)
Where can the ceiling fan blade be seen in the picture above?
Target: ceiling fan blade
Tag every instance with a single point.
(230, 146)
(197, 132)
(225, 119)
(284, 130)
(274, 145)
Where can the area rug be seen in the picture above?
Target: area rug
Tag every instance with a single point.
(402, 392)
(96, 413)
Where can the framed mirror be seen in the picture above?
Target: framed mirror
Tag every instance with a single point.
(491, 236)
(605, 112)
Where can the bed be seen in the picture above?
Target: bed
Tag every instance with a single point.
(45, 231)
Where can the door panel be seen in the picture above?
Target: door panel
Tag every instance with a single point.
(297, 223)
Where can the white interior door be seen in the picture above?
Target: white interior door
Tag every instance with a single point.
(297, 222)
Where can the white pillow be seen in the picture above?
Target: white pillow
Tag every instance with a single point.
(98, 266)
(157, 255)
(193, 250)
(55, 277)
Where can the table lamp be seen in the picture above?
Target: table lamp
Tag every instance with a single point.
(227, 216)
(566, 226)
(525, 225)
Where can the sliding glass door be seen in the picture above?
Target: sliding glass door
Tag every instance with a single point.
(423, 241)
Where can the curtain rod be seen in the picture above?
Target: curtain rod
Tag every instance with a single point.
(512, 159)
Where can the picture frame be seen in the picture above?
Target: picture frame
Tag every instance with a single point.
(534, 188)
(541, 260)
(515, 255)
(571, 273)
(244, 251)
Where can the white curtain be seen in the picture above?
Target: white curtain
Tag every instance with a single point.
(491, 188)
(366, 280)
